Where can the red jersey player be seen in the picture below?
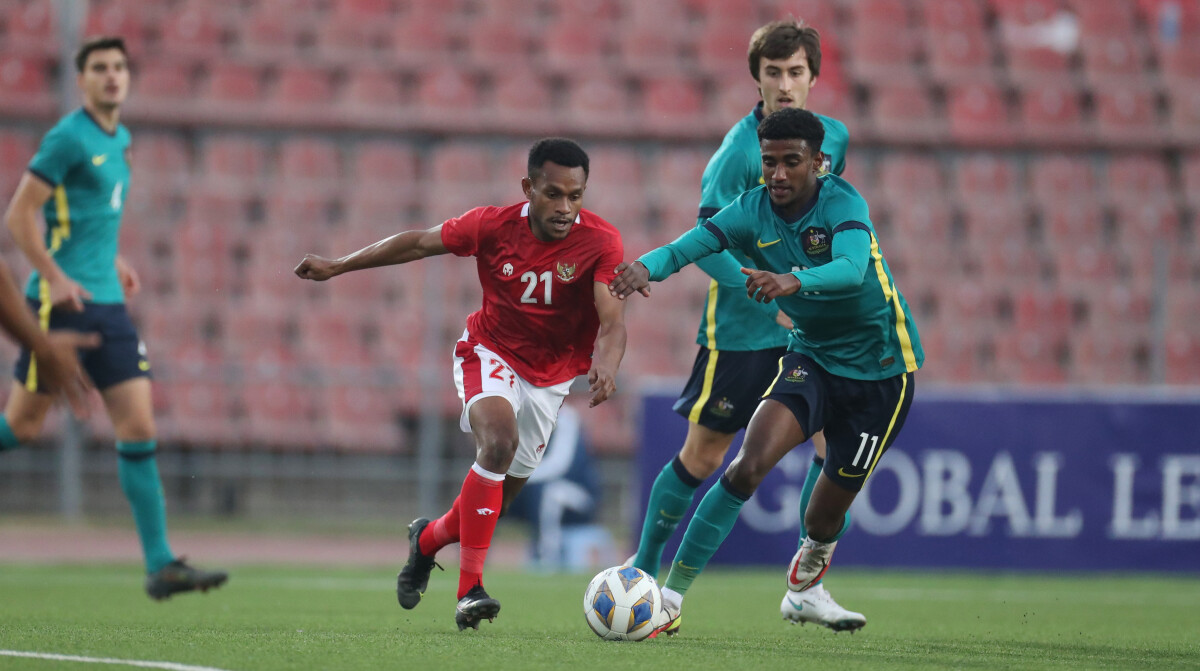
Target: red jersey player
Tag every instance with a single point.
(544, 266)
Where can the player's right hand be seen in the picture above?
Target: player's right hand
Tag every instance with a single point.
(630, 277)
(313, 267)
(58, 365)
(67, 294)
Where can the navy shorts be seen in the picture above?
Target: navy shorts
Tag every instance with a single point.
(861, 418)
(726, 386)
(121, 355)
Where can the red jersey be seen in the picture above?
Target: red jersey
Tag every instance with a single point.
(539, 304)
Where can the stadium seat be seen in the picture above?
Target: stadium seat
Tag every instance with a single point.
(1030, 64)
(371, 96)
(362, 419)
(648, 49)
(26, 85)
(1179, 67)
(448, 97)
(232, 92)
(233, 162)
(163, 86)
(672, 105)
(1171, 23)
(1039, 309)
(1139, 177)
(883, 52)
(31, 28)
(979, 115)
(1030, 358)
(720, 50)
(200, 413)
(17, 147)
(1084, 265)
(1112, 58)
(304, 207)
(946, 15)
(992, 222)
(385, 164)
(497, 43)
(1060, 178)
(1050, 111)
(904, 112)
(195, 32)
(574, 44)
(1102, 357)
(1140, 224)
(309, 162)
(521, 102)
(351, 40)
(1183, 358)
(1190, 179)
(302, 95)
(1127, 117)
(1184, 122)
(1103, 19)
(116, 18)
(161, 160)
(959, 54)
(271, 34)
(420, 37)
(366, 11)
(907, 177)
(1072, 220)
(984, 178)
(600, 104)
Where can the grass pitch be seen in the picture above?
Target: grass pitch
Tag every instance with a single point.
(299, 618)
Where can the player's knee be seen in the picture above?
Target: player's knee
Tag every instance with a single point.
(25, 429)
(701, 463)
(496, 452)
(746, 474)
(136, 432)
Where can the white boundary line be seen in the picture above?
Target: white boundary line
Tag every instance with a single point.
(170, 666)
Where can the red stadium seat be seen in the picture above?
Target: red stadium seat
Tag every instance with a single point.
(366, 11)
(449, 97)
(671, 105)
(159, 159)
(1076, 218)
(649, 49)
(909, 177)
(302, 95)
(904, 112)
(25, 83)
(995, 221)
(986, 178)
(117, 19)
(882, 52)
(1127, 116)
(1184, 123)
(1050, 111)
(1061, 178)
(1140, 224)
(1179, 67)
(350, 39)
(1030, 358)
(16, 150)
(201, 413)
(1190, 178)
(1104, 19)
(1031, 64)
(1100, 356)
(1113, 58)
(720, 50)
(163, 83)
(919, 215)
(362, 419)
(497, 43)
(1042, 310)
(958, 54)
(1085, 265)
(31, 28)
(1024, 12)
(979, 115)
(945, 15)
(385, 163)
(421, 38)
(1138, 177)
(371, 96)
(522, 101)
(194, 31)
(1183, 358)
(233, 91)
(305, 204)
(600, 104)
(270, 34)
(309, 161)
(236, 162)
(575, 44)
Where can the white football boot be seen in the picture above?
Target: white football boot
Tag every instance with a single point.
(809, 564)
(817, 605)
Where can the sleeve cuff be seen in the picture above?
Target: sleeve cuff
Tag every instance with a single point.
(49, 182)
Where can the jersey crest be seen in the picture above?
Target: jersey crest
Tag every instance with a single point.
(816, 242)
(566, 271)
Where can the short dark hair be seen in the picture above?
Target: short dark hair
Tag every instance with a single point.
(780, 39)
(97, 44)
(793, 123)
(558, 150)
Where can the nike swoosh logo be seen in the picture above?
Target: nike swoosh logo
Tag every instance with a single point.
(762, 244)
(669, 515)
(842, 472)
(685, 566)
(99, 159)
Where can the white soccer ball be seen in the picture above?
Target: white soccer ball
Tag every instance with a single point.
(621, 602)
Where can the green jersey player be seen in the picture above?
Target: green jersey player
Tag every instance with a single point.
(741, 341)
(78, 180)
(851, 358)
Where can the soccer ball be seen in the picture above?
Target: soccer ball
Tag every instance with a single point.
(621, 602)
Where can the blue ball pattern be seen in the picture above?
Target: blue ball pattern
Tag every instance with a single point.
(603, 604)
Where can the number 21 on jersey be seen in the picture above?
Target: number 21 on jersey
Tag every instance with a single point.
(531, 279)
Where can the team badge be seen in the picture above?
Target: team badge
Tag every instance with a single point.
(507, 269)
(816, 242)
(721, 407)
(797, 374)
(826, 167)
(565, 272)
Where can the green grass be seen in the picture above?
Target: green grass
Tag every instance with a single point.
(300, 618)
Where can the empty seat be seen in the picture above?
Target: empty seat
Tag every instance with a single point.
(906, 177)
(720, 50)
(362, 419)
(194, 31)
(1139, 177)
(419, 37)
(1101, 356)
(31, 27)
(978, 114)
(1114, 56)
(985, 178)
(116, 18)
(958, 54)
(648, 49)
(1050, 110)
(574, 44)
(385, 163)
(447, 95)
(159, 160)
(351, 39)
(1183, 358)
(599, 104)
(300, 93)
(1140, 223)
(1126, 116)
(904, 112)
(994, 221)
(235, 162)
(270, 34)
(1184, 123)
(497, 43)
(27, 87)
(521, 101)
(1104, 19)
(943, 15)
(163, 84)
(309, 161)
(1072, 220)
(1190, 179)
(671, 105)
(233, 89)
(1030, 358)
(882, 52)
(1062, 178)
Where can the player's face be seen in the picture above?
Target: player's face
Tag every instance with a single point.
(790, 171)
(105, 78)
(785, 82)
(555, 198)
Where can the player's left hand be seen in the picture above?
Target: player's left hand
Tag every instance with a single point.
(631, 277)
(604, 384)
(131, 284)
(765, 287)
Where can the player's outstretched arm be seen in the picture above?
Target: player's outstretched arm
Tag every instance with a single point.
(630, 277)
(610, 345)
(400, 248)
(765, 286)
(22, 219)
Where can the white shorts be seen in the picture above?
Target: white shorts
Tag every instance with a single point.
(480, 373)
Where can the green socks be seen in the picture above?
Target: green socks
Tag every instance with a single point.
(810, 481)
(138, 471)
(670, 497)
(8, 440)
(713, 521)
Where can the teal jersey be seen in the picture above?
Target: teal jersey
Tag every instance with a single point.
(849, 316)
(88, 168)
(730, 321)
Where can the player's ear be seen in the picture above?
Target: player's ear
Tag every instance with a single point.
(527, 187)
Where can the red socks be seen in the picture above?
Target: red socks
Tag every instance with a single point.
(471, 521)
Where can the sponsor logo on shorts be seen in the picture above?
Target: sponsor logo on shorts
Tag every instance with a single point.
(797, 374)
